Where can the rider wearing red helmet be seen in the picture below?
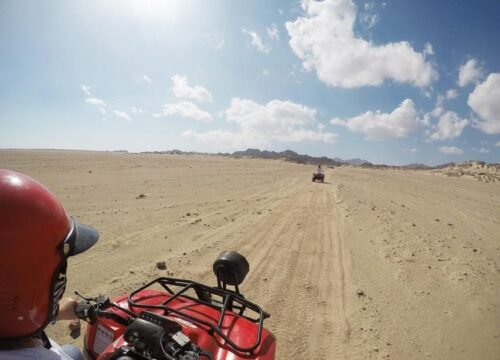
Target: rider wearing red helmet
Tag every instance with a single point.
(36, 238)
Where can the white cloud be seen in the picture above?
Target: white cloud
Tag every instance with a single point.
(401, 122)
(301, 135)
(470, 72)
(95, 101)
(325, 40)
(182, 89)
(451, 94)
(368, 6)
(214, 40)
(137, 110)
(273, 32)
(86, 89)
(485, 101)
(367, 16)
(265, 72)
(438, 108)
(260, 125)
(122, 114)
(428, 50)
(449, 126)
(426, 120)
(147, 79)
(186, 109)
(426, 92)
(296, 74)
(451, 150)
(276, 115)
(369, 20)
(484, 151)
(257, 42)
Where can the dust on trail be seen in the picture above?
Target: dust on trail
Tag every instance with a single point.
(355, 268)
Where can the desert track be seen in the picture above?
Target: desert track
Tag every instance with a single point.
(371, 264)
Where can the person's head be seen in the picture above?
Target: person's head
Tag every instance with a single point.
(36, 238)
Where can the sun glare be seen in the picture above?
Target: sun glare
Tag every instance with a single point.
(165, 10)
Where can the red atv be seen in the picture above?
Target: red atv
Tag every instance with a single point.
(174, 319)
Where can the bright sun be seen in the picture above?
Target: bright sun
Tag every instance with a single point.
(166, 10)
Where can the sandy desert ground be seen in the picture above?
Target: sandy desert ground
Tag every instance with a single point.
(372, 264)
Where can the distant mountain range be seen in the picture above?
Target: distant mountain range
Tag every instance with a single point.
(287, 155)
(292, 156)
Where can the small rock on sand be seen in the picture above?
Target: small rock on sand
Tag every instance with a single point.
(161, 265)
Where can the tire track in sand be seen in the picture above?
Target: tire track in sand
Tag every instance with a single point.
(298, 274)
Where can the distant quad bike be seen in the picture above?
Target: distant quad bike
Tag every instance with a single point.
(318, 177)
(175, 319)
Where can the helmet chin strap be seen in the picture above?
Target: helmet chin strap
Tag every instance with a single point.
(58, 292)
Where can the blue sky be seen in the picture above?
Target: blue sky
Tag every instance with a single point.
(391, 82)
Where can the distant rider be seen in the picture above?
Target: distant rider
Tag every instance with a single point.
(319, 170)
(36, 239)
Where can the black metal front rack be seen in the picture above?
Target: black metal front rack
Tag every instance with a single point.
(228, 301)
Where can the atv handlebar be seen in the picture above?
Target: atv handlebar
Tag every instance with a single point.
(149, 335)
(222, 300)
(92, 308)
(86, 312)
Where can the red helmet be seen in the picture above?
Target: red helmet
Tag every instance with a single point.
(36, 237)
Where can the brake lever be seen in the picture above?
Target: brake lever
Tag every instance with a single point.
(87, 299)
(93, 307)
(101, 300)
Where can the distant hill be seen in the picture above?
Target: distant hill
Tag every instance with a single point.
(356, 161)
(474, 169)
(417, 166)
(292, 156)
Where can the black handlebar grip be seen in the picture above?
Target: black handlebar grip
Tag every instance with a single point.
(86, 312)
